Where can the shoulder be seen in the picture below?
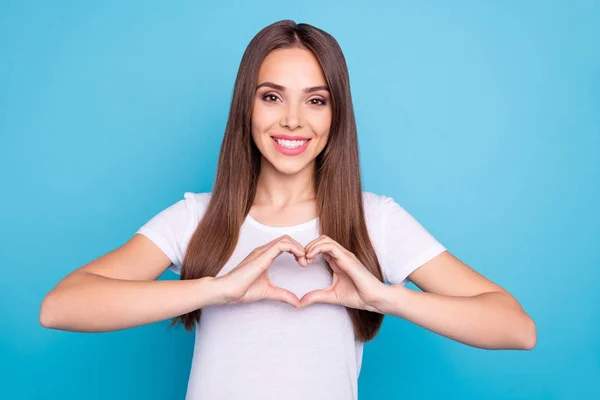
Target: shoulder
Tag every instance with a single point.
(201, 199)
(194, 204)
(379, 204)
(385, 207)
(372, 207)
(171, 228)
(373, 215)
(185, 211)
(371, 200)
(370, 197)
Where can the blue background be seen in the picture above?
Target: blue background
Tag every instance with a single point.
(482, 120)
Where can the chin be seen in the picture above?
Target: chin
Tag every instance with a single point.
(289, 168)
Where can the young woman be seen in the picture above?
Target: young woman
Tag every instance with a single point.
(284, 264)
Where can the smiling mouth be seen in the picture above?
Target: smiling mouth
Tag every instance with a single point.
(290, 148)
(290, 144)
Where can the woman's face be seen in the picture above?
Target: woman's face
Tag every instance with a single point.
(292, 100)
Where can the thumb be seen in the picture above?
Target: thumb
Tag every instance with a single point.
(280, 294)
(318, 296)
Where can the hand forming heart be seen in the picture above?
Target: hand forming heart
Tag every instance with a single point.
(249, 280)
(353, 285)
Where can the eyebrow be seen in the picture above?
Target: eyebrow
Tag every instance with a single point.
(282, 88)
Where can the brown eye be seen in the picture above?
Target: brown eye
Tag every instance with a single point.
(269, 96)
(321, 100)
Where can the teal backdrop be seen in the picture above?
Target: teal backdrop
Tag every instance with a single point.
(480, 118)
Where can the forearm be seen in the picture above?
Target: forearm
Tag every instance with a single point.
(88, 302)
(488, 321)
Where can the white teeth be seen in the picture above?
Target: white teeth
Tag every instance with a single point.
(290, 144)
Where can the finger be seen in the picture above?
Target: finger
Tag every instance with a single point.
(340, 259)
(331, 261)
(312, 242)
(301, 260)
(269, 255)
(282, 246)
(331, 248)
(280, 294)
(318, 296)
(292, 247)
(315, 242)
(265, 246)
(288, 237)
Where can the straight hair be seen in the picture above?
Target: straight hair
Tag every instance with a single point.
(337, 172)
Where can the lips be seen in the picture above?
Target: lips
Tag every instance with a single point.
(291, 152)
(289, 137)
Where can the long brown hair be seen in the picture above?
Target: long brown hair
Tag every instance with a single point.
(337, 173)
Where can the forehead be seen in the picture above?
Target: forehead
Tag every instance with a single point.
(291, 67)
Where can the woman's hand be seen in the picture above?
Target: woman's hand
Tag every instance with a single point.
(249, 280)
(353, 285)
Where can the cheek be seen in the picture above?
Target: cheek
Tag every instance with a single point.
(322, 125)
(256, 116)
(263, 117)
(257, 122)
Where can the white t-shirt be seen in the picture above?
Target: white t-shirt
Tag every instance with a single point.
(268, 349)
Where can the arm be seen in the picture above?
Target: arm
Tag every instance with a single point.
(119, 290)
(461, 304)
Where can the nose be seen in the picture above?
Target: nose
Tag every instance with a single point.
(291, 117)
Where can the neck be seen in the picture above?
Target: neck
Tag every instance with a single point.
(278, 189)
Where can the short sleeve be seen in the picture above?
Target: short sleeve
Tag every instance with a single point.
(171, 228)
(406, 243)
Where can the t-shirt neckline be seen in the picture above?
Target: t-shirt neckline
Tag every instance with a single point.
(268, 228)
